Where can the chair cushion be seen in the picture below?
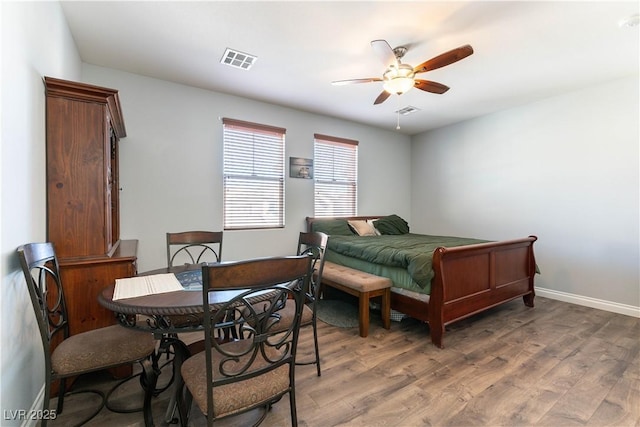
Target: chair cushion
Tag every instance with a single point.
(99, 349)
(237, 396)
(287, 313)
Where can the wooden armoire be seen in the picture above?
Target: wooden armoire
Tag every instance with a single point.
(84, 126)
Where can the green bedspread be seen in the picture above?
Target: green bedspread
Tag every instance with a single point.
(411, 251)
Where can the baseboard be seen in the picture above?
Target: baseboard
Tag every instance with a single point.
(628, 310)
(36, 408)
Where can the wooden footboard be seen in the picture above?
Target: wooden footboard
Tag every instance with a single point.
(468, 280)
(471, 279)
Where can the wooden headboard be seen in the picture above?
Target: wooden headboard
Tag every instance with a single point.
(311, 219)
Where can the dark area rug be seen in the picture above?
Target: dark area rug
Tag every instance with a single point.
(337, 312)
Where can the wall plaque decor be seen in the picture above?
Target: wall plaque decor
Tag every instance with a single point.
(300, 168)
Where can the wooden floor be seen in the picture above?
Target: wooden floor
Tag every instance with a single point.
(557, 364)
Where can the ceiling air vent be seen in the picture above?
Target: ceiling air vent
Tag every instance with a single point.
(236, 59)
(407, 110)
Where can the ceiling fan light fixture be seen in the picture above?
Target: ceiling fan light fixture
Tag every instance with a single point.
(398, 79)
(398, 85)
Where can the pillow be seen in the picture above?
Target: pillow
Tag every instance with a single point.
(371, 222)
(335, 227)
(362, 228)
(392, 224)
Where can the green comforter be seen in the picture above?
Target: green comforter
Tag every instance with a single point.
(411, 251)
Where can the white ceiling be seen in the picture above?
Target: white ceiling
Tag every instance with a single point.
(524, 50)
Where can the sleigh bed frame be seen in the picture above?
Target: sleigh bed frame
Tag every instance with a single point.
(468, 280)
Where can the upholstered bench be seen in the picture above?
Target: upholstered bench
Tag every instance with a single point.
(362, 285)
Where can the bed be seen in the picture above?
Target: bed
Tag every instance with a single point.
(436, 279)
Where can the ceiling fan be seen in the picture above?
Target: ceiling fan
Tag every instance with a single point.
(399, 78)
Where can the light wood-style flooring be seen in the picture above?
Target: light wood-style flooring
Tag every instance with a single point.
(557, 364)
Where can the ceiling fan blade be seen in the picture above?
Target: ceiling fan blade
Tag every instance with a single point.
(353, 81)
(432, 87)
(382, 97)
(444, 59)
(384, 52)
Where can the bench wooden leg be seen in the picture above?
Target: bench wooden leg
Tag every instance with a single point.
(363, 313)
(386, 308)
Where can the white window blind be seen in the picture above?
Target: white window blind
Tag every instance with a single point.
(253, 175)
(336, 176)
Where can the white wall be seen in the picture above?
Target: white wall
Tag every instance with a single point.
(564, 169)
(35, 42)
(171, 165)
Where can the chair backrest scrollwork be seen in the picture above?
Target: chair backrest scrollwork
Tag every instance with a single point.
(314, 243)
(42, 274)
(194, 247)
(261, 345)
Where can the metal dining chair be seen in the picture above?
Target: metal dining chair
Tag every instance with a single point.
(184, 248)
(314, 243)
(68, 356)
(257, 369)
(194, 247)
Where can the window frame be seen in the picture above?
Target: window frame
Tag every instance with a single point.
(264, 166)
(343, 175)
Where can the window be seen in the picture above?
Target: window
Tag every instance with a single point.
(336, 176)
(253, 175)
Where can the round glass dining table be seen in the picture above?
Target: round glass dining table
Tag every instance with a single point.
(170, 313)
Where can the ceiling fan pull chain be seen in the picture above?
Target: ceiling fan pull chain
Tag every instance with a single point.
(398, 113)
